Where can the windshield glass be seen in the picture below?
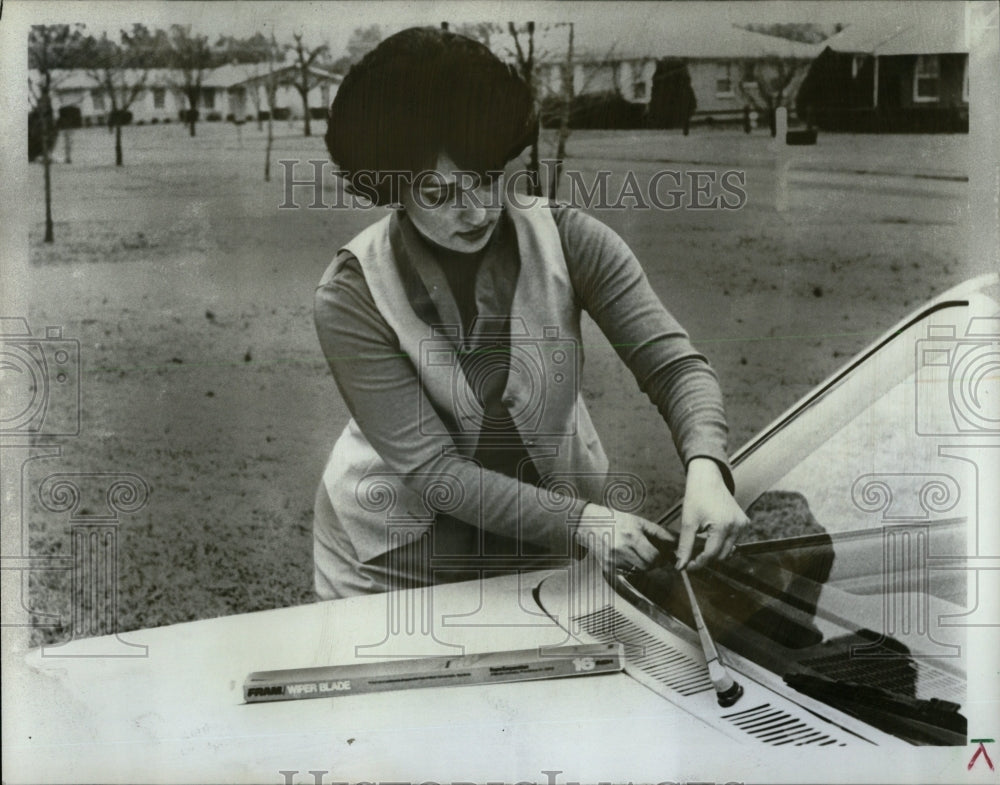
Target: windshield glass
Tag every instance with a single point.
(850, 582)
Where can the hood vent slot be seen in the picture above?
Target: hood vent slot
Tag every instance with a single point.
(669, 666)
(682, 672)
(777, 727)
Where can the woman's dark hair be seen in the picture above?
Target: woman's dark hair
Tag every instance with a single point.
(421, 92)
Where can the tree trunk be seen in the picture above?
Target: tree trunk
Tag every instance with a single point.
(307, 129)
(267, 148)
(533, 168)
(118, 144)
(47, 166)
(564, 118)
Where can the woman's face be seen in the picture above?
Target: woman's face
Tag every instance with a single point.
(453, 208)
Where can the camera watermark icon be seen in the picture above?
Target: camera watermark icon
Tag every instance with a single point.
(957, 388)
(40, 374)
(41, 399)
(538, 371)
(17, 562)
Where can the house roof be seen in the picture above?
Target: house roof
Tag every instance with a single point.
(223, 77)
(917, 28)
(655, 40)
(81, 78)
(239, 75)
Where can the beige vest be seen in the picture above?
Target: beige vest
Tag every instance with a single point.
(542, 391)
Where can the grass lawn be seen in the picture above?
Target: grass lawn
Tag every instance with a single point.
(190, 293)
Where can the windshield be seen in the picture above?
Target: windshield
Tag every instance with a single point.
(850, 582)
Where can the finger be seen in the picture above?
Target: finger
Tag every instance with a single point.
(735, 532)
(713, 546)
(645, 553)
(658, 535)
(685, 544)
(662, 534)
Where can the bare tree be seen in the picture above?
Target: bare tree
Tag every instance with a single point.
(120, 81)
(765, 84)
(270, 82)
(252, 55)
(562, 135)
(528, 58)
(305, 75)
(528, 62)
(192, 57)
(525, 59)
(50, 48)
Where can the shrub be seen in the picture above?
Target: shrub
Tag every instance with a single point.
(120, 117)
(154, 121)
(70, 117)
(35, 134)
(213, 117)
(672, 99)
(607, 109)
(282, 113)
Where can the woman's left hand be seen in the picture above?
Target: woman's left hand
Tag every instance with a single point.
(708, 507)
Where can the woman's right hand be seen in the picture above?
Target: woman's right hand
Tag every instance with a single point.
(636, 542)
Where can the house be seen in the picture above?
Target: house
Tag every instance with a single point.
(229, 92)
(905, 72)
(723, 66)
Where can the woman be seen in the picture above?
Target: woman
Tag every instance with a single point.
(452, 328)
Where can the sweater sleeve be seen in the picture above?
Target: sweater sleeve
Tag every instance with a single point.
(382, 391)
(612, 287)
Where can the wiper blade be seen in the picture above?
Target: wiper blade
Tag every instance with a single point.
(917, 720)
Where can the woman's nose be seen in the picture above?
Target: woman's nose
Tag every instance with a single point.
(473, 212)
(481, 202)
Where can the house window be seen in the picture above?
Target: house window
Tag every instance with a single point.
(638, 90)
(208, 97)
(965, 80)
(97, 99)
(926, 78)
(856, 62)
(159, 97)
(723, 82)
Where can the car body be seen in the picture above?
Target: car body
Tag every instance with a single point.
(854, 615)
